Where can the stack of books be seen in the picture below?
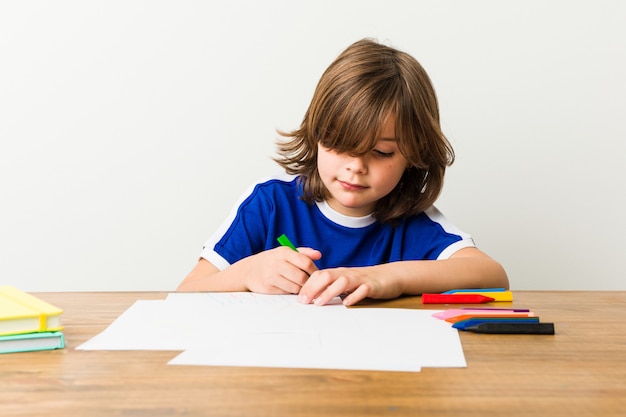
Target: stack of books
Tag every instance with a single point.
(28, 323)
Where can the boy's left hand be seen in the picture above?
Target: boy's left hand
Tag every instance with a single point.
(358, 283)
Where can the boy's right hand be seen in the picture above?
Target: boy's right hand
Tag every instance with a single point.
(280, 270)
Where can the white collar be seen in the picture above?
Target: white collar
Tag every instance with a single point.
(343, 220)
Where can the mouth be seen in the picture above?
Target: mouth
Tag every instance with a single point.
(348, 186)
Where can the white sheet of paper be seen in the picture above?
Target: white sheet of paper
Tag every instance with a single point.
(380, 339)
(248, 329)
(329, 355)
(412, 333)
(196, 320)
(147, 325)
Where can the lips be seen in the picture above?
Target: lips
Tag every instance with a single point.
(350, 186)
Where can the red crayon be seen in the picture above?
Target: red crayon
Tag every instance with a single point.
(455, 299)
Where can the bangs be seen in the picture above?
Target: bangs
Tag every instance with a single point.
(356, 128)
(356, 139)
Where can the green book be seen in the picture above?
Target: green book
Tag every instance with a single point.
(28, 342)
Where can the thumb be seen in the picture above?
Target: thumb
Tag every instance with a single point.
(311, 253)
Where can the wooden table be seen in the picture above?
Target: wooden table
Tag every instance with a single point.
(581, 371)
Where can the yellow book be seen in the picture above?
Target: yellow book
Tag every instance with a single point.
(21, 312)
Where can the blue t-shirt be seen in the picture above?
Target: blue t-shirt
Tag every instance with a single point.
(274, 207)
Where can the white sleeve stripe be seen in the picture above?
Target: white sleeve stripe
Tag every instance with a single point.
(213, 257)
(456, 246)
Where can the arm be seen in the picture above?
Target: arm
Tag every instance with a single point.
(467, 268)
(276, 271)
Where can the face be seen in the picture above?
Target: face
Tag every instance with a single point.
(356, 183)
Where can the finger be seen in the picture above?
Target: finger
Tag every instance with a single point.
(339, 286)
(287, 279)
(298, 268)
(311, 253)
(291, 278)
(292, 266)
(304, 259)
(317, 282)
(357, 295)
(274, 290)
(286, 286)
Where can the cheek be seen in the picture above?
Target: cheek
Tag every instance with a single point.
(327, 162)
(394, 174)
(398, 175)
(398, 166)
(321, 162)
(324, 166)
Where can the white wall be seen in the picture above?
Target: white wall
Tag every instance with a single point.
(128, 128)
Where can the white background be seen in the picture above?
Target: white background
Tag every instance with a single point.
(129, 128)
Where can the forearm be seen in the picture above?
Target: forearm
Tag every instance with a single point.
(206, 277)
(417, 277)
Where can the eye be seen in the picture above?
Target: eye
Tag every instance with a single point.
(381, 154)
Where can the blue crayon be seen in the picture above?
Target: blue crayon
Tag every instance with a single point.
(464, 324)
(475, 290)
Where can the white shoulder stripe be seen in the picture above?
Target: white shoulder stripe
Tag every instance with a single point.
(466, 240)
(435, 215)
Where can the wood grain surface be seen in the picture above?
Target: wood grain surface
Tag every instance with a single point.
(580, 371)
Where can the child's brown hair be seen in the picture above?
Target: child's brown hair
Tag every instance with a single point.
(357, 92)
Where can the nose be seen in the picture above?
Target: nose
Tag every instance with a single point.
(356, 164)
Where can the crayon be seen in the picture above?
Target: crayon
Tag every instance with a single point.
(477, 314)
(455, 299)
(474, 290)
(496, 295)
(464, 324)
(284, 241)
(512, 328)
